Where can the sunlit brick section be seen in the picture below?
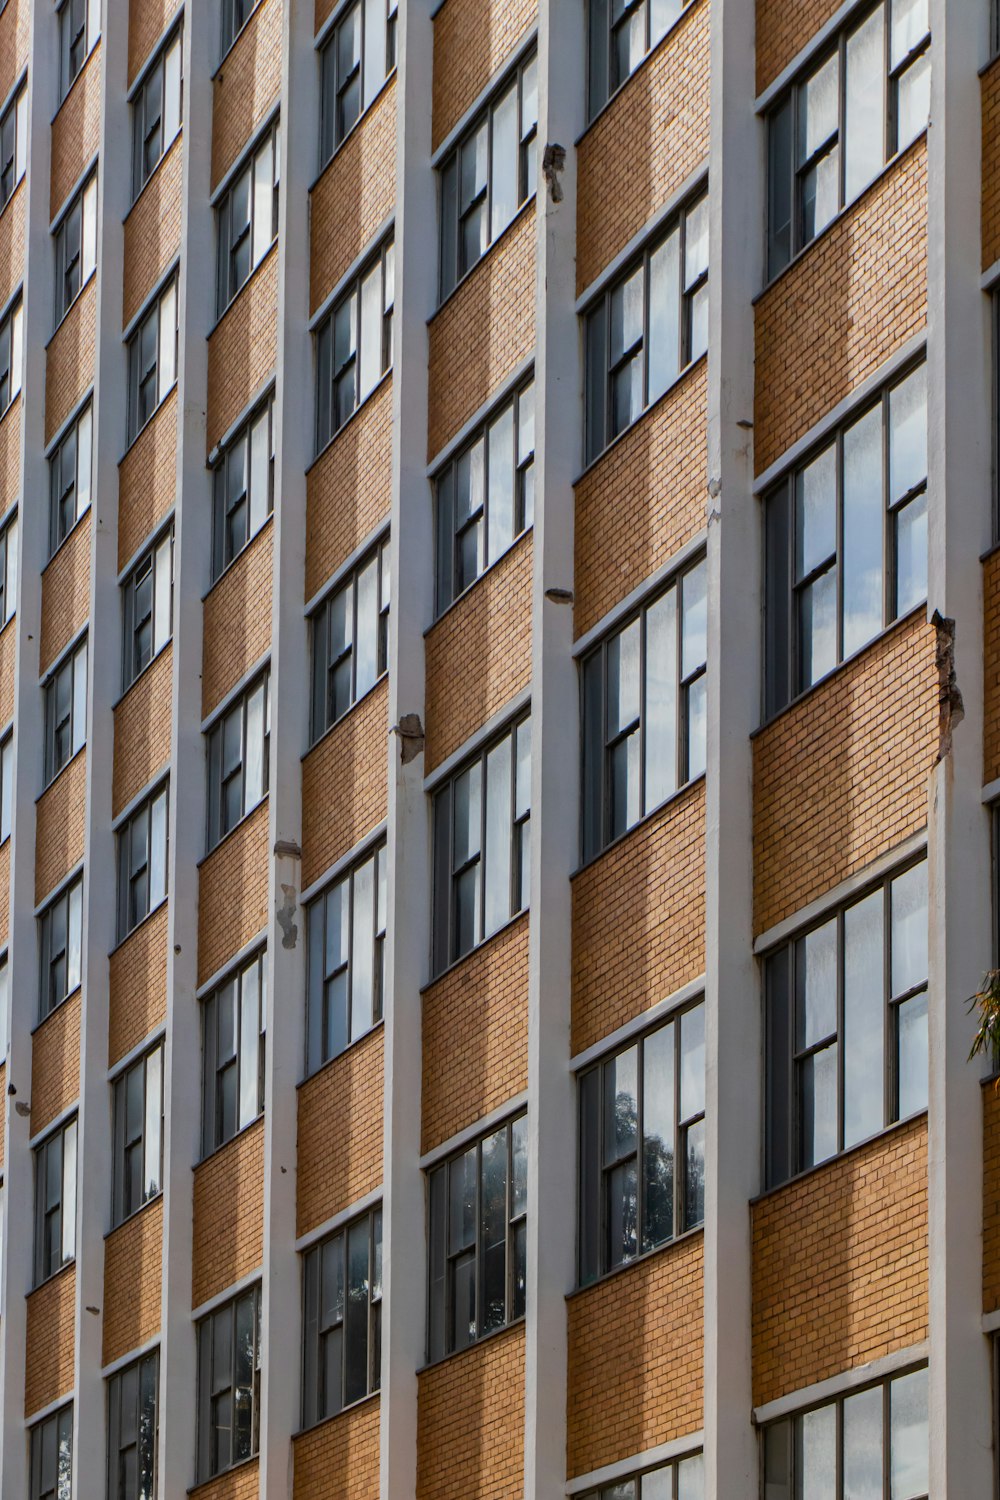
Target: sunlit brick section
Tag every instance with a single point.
(247, 86)
(228, 1214)
(142, 730)
(470, 1437)
(339, 1458)
(133, 1260)
(49, 1346)
(70, 367)
(472, 41)
(237, 620)
(232, 893)
(147, 480)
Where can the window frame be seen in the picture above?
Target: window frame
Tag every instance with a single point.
(70, 896)
(137, 864)
(156, 564)
(74, 661)
(234, 15)
(240, 450)
(321, 1047)
(60, 1424)
(317, 1406)
(333, 130)
(4, 1010)
(231, 238)
(600, 24)
(157, 370)
(74, 450)
(143, 129)
(330, 374)
(321, 621)
(208, 1464)
(9, 559)
(673, 1467)
(48, 1210)
(218, 826)
(75, 238)
(11, 352)
(69, 68)
(146, 1372)
(213, 1099)
(6, 784)
(15, 160)
(146, 1139)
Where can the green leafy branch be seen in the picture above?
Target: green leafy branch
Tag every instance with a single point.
(985, 1003)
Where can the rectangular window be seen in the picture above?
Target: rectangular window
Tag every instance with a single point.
(357, 59)
(142, 862)
(649, 325)
(347, 958)
(645, 694)
(13, 145)
(70, 478)
(834, 130)
(52, 1457)
(642, 1145)
(871, 1444)
(152, 360)
(6, 784)
(622, 33)
(11, 353)
(489, 175)
(846, 1027)
(485, 496)
(157, 110)
(235, 14)
(8, 571)
(354, 345)
(133, 1430)
(138, 1149)
(238, 759)
(247, 217)
(4, 1008)
(244, 488)
(79, 24)
(478, 1239)
(147, 608)
(233, 1029)
(482, 845)
(229, 1385)
(65, 711)
(342, 1341)
(60, 934)
(350, 634)
(683, 1479)
(846, 541)
(55, 1202)
(76, 247)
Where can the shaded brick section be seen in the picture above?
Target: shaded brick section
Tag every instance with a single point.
(12, 241)
(238, 1484)
(76, 132)
(15, 19)
(10, 450)
(472, 41)
(133, 1259)
(991, 1196)
(142, 730)
(475, 1036)
(344, 784)
(354, 196)
(639, 919)
(348, 488)
(339, 1459)
(8, 648)
(228, 1214)
(4, 892)
(340, 1133)
(69, 366)
(48, 1354)
(636, 1358)
(148, 20)
(642, 501)
(840, 1264)
(147, 480)
(153, 230)
(59, 820)
(470, 1422)
(854, 297)
(138, 985)
(55, 1063)
(246, 86)
(65, 593)
(242, 348)
(232, 905)
(841, 776)
(784, 27)
(237, 621)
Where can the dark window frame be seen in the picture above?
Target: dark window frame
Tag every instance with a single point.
(637, 1482)
(52, 1160)
(149, 112)
(56, 933)
(147, 386)
(11, 353)
(71, 477)
(234, 235)
(139, 891)
(330, 1014)
(235, 15)
(134, 1429)
(65, 737)
(329, 1329)
(57, 1429)
(142, 601)
(76, 257)
(223, 1390)
(225, 774)
(328, 670)
(221, 1118)
(235, 487)
(339, 370)
(75, 41)
(131, 1136)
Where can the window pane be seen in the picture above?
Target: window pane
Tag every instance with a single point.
(819, 108)
(254, 750)
(914, 101)
(462, 1202)
(816, 962)
(74, 938)
(908, 434)
(371, 331)
(863, 525)
(623, 678)
(863, 1445)
(864, 1110)
(621, 1105)
(493, 1214)
(821, 193)
(69, 1193)
(168, 341)
(151, 1124)
(777, 1461)
(263, 188)
(909, 1473)
(84, 460)
(913, 1056)
(249, 1042)
(910, 24)
(692, 1024)
(505, 162)
(664, 315)
(362, 954)
(818, 628)
(818, 1106)
(163, 569)
(661, 695)
(816, 1444)
(816, 513)
(498, 837)
(501, 513)
(911, 554)
(864, 122)
(356, 1330)
(658, 1136)
(467, 814)
(366, 643)
(158, 850)
(909, 929)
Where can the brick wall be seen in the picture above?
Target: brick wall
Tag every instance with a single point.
(133, 1260)
(784, 27)
(55, 1064)
(3, 1113)
(475, 1036)
(237, 620)
(12, 242)
(340, 1133)
(65, 594)
(662, 111)
(76, 132)
(344, 784)
(840, 1264)
(233, 893)
(837, 314)
(246, 87)
(8, 648)
(354, 196)
(242, 348)
(483, 332)
(636, 1358)
(147, 480)
(472, 41)
(339, 1459)
(10, 450)
(153, 231)
(138, 985)
(48, 1353)
(69, 366)
(642, 501)
(14, 23)
(639, 919)
(242, 1483)
(4, 892)
(59, 818)
(991, 667)
(470, 1422)
(228, 1215)
(147, 22)
(991, 163)
(991, 1197)
(348, 489)
(841, 776)
(142, 730)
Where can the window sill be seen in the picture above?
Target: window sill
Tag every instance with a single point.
(638, 1260)
(224, 1145)
(389, 78)
(329, 1062)
(63, 768)
(53, 1276)
(456, 963)
(830, 1161)
(153, 911)
(234, 560)
(382, 677)
(469, 588)
(68, 309)
(386, 375)
(157, 1197)
(231, 832)
(508, 229)
(639, 68)
(55, 1009)
(484, 1338)
(152, 416)
(234, 299)
(142, 673)
(155, 172)
(619, 437)
(53, 555)
(335, 1416)
(241, 1463)
(646, 818)
(217, 73)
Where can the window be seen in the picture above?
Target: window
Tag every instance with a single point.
(486, 496)
(8, 571)
(354, 345)
(342, 1343)
(238, 755)
(684, 1479)
(482, 846)
(152, 360)
(644, 710)
(4, 1011)
(489, 175)
(347, 958)
(642, 1145)
(61, 933)
(871, 1443)
(76, 247)
(70, 470)
(6, 784)
(235, 14)
(244, 487)
(228, 1385)
(147, 607)
(835, 129)
(622, 32)
(350, 633)
(52, 1457)
(142, 862)
(55, 1202)
(647, 328)
(233, 1022)
(358, 58)
(11, 353)
(156, 112)
(13, 145)
(846, 542)
(478, 1239)
(133, 1430)
(65, 711)
(846, 1024)
(138, 1165)
(247, 217)
(79, 23)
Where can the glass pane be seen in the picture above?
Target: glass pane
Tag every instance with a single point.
(821, 193)
(913, 1056)
(249, 1038)
(664, 315)
(163, 580)
(625, 775)
(69, 1193)
(818, 628)
(911, 554)
(363, 951)
(658, 1484)
(626, 315)
(522, 792)
(778, 1461)
(816, 513)
(498, 837)
(695, 620)
(621, 1105)
(864, 1010)
(263, 190)
(696, 242)
(467, 814)
(692, 1024)
(366, 641)
(260, 465)
(167, 367)
(690, 1478)
(909, 25)
(463, 1310)
(501, 512)
(371, 331)
(816, 962)
(154, 1114)
(623, 678)
(908, 1461)
(506, 156)
(819, 108)
(909, 929)
(84, 460)
(818, 1106)
(356, 1365)
(694, 1180)
(74, 938)
(914, 101)
(623, 1199)
(816, 1444)
(863, 1445)
(863, 527)
(697, 727)
(658, 1136)
(462, 1202)
(519, 1159)
(864, 122)
(908, 434)
(661, 697)
(493, 1211)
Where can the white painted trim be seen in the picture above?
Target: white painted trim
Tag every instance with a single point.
(148, 1044)
(639, 1024)
(252, 1279)
(691, 184)
(236, 691)
(371, 541)
(387, 225)
(256, 943)
(50, 1410)
(481, 415)
(682, 1447)
(511, 709)
(475, 1131)
(645, 590)
(991, 791)
(337, 1221)
(345, 862)
(124, 1360)
(811, 49)
(509, 65)
(839, 1385)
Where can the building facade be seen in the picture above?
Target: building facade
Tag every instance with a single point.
(499, 749)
